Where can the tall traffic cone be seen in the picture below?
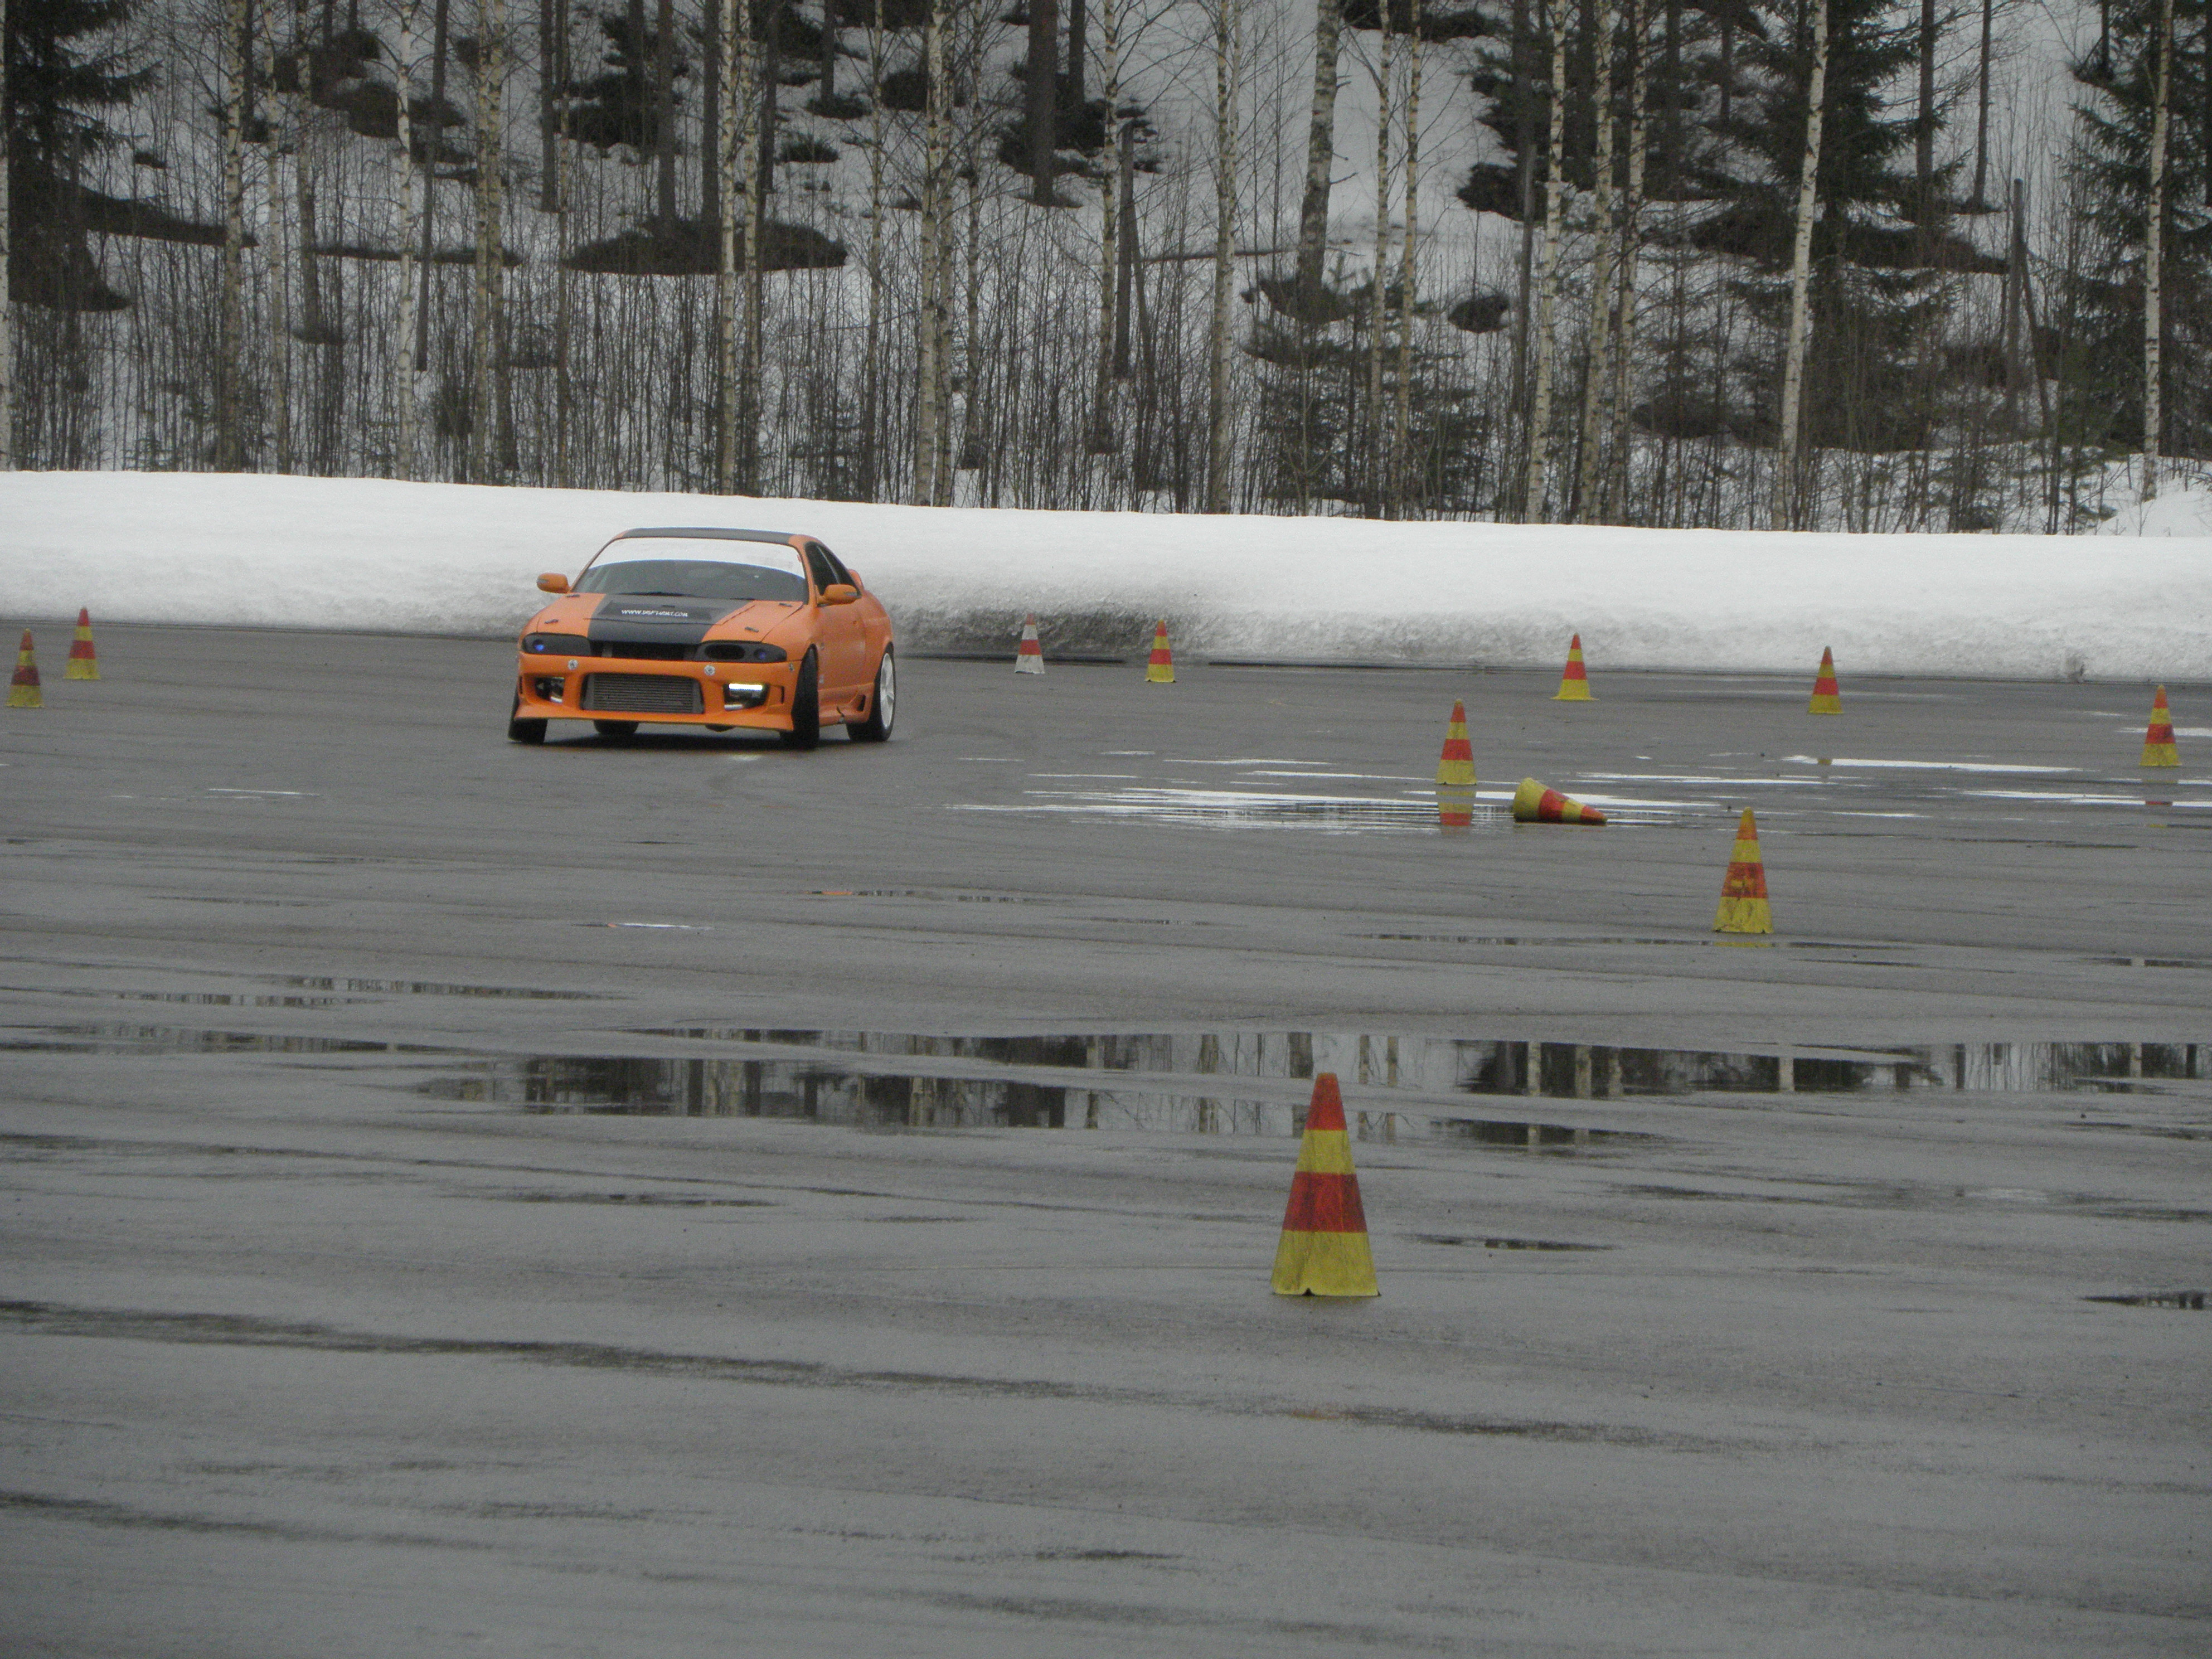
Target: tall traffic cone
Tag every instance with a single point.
(2158, 739)
(1744, 909)
(23, 690)
(1574, 684)
(1534, 804)
(1030, 660)
(1456, 774)
(1826, 698)
(1160, 670)
(1324, 1246)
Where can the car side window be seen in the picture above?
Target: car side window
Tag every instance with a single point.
(838, 572)
(819, 562)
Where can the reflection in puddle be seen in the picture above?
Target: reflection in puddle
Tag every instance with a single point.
(2193, 1300)
(172, 1040)
(1235, 809)
(427, 987)
(1508, 1244)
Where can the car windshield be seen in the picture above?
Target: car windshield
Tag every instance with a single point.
(697, 567)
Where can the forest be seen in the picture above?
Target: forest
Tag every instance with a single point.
(1941, 265)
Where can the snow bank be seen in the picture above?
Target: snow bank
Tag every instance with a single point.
(364, 553)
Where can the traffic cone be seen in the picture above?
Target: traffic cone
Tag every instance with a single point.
(1534, 804)
(1324, 1246)
(23, 690)
(1160, 670)
(1744, 909)
(1574, 684)
(1030, 660)
(1455, 775)
(1826, 698)
(2158, 739)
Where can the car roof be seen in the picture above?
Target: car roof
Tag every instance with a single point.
(786, 536)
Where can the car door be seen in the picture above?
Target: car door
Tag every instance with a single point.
(837, 631)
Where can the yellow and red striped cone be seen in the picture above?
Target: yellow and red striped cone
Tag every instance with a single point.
(1456, 774)
(83, 663)
(1160, 670)
(1827, 700)
(1324, 1249)
(1744, 909)
(2158, 737)
(1534, 804)
(23, 690)
(1574, 684)
(1029, 658)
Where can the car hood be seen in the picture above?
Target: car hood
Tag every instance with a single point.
(649, 617)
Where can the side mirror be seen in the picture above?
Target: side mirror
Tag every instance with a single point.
(552, 582)
(854, 574)
(840, 593)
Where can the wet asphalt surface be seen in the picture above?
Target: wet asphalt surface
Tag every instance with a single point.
(684, 1196)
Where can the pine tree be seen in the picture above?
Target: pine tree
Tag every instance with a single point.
(63, 82)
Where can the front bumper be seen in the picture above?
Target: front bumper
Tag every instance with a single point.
(756, 695)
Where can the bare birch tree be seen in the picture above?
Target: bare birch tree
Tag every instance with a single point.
(1400, 426)
(230, 347)
(484, 312)
(1109, 45)
(2155, 246)
(929, 366)
(1547, 276)
(1227, 27)
(274, 223)
(7, 303)
(729, 180)
(753, 209)
(1583, 507)
(1619, 399)
(1321, 157)
(1793, 365)
(407, 179)
(1385, 74)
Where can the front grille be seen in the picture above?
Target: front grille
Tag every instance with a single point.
(640, 651)
(643, 694)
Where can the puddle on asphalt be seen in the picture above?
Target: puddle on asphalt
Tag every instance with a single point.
(174, 1040)
(1508, 1244)
(427, 987)
(2193, 1300)
(201, 999)
(1235, 809)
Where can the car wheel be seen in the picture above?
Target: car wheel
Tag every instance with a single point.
(616, 729)
(806, 707)
(522, 731)
(882, 703)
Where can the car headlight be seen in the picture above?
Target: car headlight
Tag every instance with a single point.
(743, 651)
(555, 645)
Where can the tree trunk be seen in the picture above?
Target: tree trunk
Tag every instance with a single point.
(1226, 27)
(1320, 159)
(715, 31)
(1547, 280)
(563, 287)
(771, 79)
(1524, 139)
(2154, 247)
(276, 222)
(434, 141)
(723, 15)
(1982, 112)
(752, 207)
(484, 370)
(1924, 125)
(230, 439)
(7, 453)
(1127, 282)
(2015, 280)
(1621, 396)
(1671, 169)
(1401, 425)
(927, 367)
(664, 106)
(1386, 73)
(1078, 49)
(1044, 75)
(1583, 506)
(1793, 368)
(1109, 227)
(826, 89)
(551, 52)
(872, 367)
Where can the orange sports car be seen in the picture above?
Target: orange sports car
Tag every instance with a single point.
(722, 628)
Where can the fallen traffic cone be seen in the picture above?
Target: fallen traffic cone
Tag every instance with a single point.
(1574, 684)
(1744, 909)
(1456, 774)
(1324, 1246)
(1534, 804)
(1160, 670)
(1826, 698)
(1030, 660)
(23, 690)
(2158, 739)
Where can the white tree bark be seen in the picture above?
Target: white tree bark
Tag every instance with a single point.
(1601, 294)
(928, 369)
(1110, 226)
(7, 306)
(1320, 157)
(753, 211)
(1793, 367)
(1401, 425)
(726, 208)
(1621, 398)
(1385, 75)
(277, 278)
(484, 370)
(1227, 27)
(1547, 282)
(2153, 248)
(230, 346)
(409, 182)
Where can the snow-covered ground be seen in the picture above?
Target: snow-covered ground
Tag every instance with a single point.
(365, 554)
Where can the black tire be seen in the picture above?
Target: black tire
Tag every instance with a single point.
(883, 704)
(616, 730)
(522, 731)
(806, 707)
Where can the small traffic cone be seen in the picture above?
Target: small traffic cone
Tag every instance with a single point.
(1534, 804)
(23, 690)
(1030, 660)
(1744, 909)
(1160, 670)
(2158, 739)
(1455, 775)
(1826, 698)
(1324, 1246)
(1574, 684)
